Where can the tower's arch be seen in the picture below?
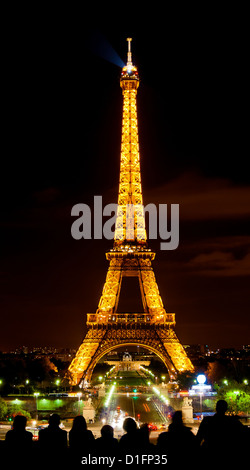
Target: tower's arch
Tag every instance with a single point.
(110, 347)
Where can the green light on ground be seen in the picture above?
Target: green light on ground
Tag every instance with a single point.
(17, 401)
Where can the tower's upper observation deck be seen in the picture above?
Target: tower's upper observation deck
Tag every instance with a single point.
(129, 72)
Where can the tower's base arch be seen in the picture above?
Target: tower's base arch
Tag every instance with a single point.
(103, 352)
(98, 342)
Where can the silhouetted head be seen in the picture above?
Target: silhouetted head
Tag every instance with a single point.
(79, 423)
(107, 431)
(221, 407)
(54, 420)
(19, 423)
(177, 418)
(144, 432)
(129, 425)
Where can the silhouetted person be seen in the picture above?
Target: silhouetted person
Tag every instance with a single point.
(53, 441)
(81, 439)
(129, 442)
(178, 443)
(18, 437)
(144, 444)
(221, 437)
(107, 445)
(18, 443)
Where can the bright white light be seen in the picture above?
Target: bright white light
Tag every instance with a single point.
(162, 397)
(109, 395)
(201, 379)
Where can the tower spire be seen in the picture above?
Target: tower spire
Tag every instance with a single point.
(129, 55)
(130, 221)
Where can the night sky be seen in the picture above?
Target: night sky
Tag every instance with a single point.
(61, 136)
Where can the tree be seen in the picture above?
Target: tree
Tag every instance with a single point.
(236, 395)
(11, 410)
(216, 371)
(3, 409)
(186, 379)
(15, 409)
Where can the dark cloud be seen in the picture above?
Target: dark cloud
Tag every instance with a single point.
(219, 263)
(47, 195)
(203, 198)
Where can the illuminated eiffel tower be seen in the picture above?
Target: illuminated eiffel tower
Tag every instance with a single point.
(130, 256)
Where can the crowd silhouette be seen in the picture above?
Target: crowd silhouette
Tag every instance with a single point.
(221, 442)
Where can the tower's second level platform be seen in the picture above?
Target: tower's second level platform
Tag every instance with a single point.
(130, 251)
(128, 320)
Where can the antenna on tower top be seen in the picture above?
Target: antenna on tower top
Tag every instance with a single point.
(129, 60)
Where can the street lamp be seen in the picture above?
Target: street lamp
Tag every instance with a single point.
(27, 383)
(36, 394)
(79, 394)
(201, 379)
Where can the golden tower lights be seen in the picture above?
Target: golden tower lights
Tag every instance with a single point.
(130, 256)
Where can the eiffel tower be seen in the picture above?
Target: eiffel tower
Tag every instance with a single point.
(130, 256)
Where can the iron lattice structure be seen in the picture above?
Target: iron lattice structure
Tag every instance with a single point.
(155, 328)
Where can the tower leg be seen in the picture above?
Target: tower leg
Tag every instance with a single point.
(175, 350)
(84, 355)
